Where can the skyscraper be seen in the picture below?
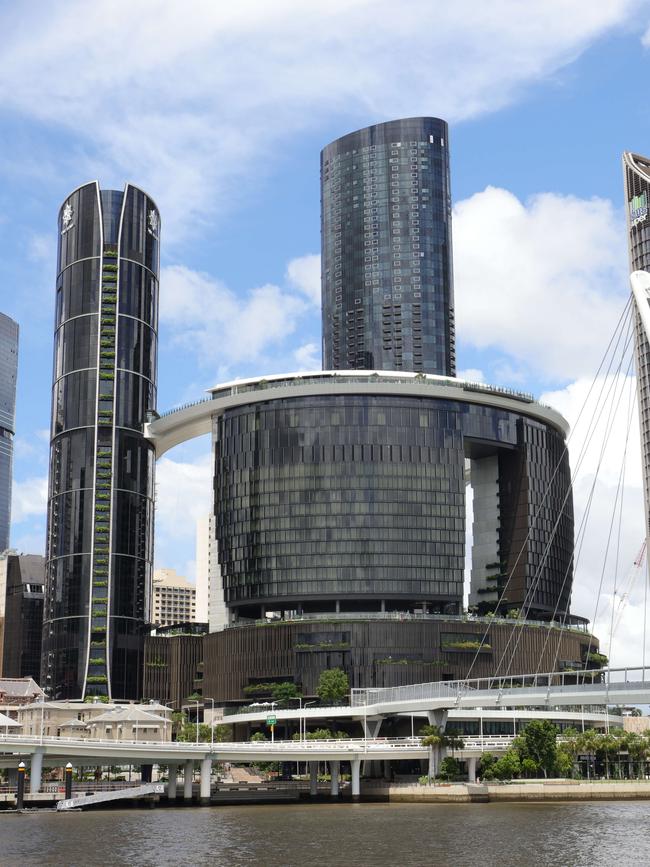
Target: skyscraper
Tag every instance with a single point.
(100, 509)
(8, 372)
(636, 171)
(387, 280)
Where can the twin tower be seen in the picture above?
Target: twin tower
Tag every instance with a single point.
(337, 495)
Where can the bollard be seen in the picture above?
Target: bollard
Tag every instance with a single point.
(20, 789)
(68, 781)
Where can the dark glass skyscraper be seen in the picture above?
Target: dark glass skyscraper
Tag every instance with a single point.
(387, 279)
(8, 373)
(100, 511)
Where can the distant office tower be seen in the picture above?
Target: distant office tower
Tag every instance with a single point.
(636, 171)
(209, 582)
(100, 510)
(8, 372)
(174, 598)
(387, 279)
(202, 558)
(21, 614)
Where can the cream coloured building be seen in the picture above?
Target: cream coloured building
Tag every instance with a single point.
(173, 599)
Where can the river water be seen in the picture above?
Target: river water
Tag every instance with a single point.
(320, 835)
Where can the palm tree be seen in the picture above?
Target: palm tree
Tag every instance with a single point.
(435, 738)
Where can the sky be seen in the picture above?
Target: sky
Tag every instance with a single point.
(220, 111)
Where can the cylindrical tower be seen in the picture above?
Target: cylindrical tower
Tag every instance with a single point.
(387, 279)
(8, 373)
(101, 488)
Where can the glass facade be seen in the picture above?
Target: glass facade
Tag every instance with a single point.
(20, 647)
(636, 170)
(357, 502)
(8, 373)
(387, 280)
(100, 511)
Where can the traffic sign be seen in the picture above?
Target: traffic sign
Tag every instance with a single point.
(271, 720)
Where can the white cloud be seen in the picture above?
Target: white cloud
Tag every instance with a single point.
(597, 469)
(183, 495)
(200, 90)
(29, 499)
(210, 320)
(304, 274)
(471, 374)
(308, 357)
(546, 279)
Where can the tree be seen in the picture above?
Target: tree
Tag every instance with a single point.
(449, 768)
(333, 685)
(187, 733)
(286, 690)
(435, 738)
(538, 741)
(507, 766)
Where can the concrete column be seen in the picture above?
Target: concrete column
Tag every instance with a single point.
(36, 772)
(355, 766)
(313, 779)
(387, 774)
(173, 779)
(334, 772)
(206, 772)
(471, 769)
(187, 780)
(438, 718)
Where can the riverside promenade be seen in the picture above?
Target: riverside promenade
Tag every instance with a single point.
(516, 791)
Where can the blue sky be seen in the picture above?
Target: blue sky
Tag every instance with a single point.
(220, 115)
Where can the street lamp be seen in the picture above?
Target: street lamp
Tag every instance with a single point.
(303, 719)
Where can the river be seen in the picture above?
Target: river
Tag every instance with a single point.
(320, 835)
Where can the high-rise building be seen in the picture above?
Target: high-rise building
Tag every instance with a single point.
(387, 279)
(100, 508)
(8, 373)
(210, 602)
(21, 614)
(174, 599)
(636, 172)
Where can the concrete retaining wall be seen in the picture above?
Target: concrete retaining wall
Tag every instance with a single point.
(567, 790)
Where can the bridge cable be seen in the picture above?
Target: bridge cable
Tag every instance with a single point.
(610, 353)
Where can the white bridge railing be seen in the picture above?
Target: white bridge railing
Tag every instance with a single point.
(590, 680)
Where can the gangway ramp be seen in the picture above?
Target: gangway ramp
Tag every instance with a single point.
(116, 795)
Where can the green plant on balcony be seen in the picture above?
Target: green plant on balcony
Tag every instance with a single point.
(99, 612)
(98, 644)
(99, 629)
(97, 678)
(109, 267)
(100, 583)
(470, 644)
(97, 660)
(109, 278)
(106, 374)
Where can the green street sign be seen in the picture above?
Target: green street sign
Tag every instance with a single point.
(271, 720)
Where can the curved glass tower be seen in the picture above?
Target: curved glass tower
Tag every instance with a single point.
(100, 510)
(8, 373)
(387, 280)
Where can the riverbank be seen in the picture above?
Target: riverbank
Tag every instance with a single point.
(518, 791)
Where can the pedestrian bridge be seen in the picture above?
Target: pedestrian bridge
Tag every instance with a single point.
(552, 689)
(548, 691)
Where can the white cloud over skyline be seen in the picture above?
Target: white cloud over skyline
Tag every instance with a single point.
(205, 78)
(542, 281)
